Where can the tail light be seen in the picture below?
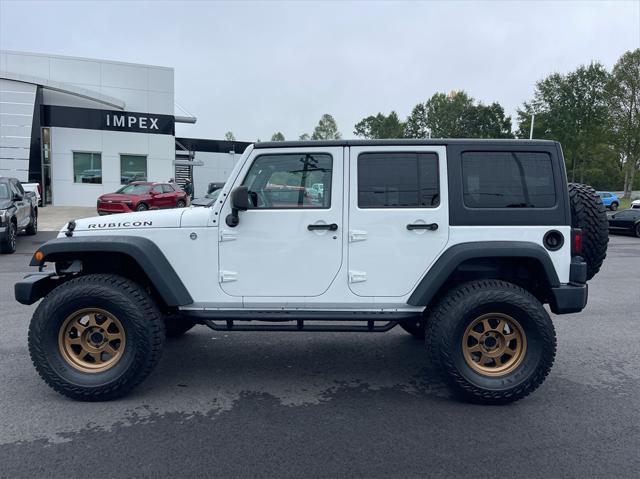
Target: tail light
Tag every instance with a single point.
(576, 242)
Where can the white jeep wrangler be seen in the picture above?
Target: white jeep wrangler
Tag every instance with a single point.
(459, 242)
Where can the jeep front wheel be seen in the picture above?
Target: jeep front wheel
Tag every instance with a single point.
(96, 337)
(492, 341)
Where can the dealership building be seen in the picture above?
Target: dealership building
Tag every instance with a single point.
(82, 127)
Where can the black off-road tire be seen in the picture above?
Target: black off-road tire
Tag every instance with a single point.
(446, 326)
(637, 230)
(415, 328)
(32, 228)
(9, 246)
(124, 299)
(181, 204)
(590, 215)
(176, 325)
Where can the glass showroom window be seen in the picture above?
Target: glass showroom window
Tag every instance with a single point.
(133, 168)
(87, 167)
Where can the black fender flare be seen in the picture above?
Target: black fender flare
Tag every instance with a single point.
(141, 250)
(447, 263)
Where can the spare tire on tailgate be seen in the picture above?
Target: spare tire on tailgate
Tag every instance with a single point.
(590, 215)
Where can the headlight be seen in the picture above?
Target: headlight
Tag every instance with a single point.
(2, 215)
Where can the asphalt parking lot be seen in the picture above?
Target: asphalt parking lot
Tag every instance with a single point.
(326, 405)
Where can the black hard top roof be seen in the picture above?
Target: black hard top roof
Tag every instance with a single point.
(403, 142)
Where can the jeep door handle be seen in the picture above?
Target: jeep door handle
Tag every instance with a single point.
(331, 227)
(422, 226)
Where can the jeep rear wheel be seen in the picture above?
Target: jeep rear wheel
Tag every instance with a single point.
(590, 215)
(96, 337)
(492, 341)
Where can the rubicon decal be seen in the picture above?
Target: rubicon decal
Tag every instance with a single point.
(123, 224)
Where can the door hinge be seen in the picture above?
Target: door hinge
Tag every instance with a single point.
(357, 235)
(226, 235)
(228, 276)
(357, 276)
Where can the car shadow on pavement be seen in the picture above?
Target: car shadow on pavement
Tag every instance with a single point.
(293, 366)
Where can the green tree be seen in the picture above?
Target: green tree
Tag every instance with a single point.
(416, 125)
(457, 115)
(624, 107)
(326, 129)
(380, 126)
(277, 136)
(229, 136)
(572, 109)
(304, 137)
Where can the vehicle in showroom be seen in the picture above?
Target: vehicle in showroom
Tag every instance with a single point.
(142, 196)
(211, 187)
(626, 221)
(609, 200)
(461, 243)
(18, 212)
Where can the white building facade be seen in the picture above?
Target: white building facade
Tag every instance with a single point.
(82, 127)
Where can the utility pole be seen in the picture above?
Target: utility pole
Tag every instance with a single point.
(533, 119)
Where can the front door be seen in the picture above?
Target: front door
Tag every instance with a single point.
(288, 244)
(398, 216)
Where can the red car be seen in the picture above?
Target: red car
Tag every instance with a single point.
(142, 196)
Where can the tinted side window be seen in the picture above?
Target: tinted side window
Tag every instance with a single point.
(287, 181)
(157, 189)
(167, 188)
(398, 180)
(507, 180)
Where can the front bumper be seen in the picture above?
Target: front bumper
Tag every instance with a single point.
(35, 286)
(113, 208)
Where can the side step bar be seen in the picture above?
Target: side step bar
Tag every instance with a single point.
(230, 325)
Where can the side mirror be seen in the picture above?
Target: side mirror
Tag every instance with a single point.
(239, 202)
(17, 197)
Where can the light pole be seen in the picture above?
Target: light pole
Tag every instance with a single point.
(533, 119)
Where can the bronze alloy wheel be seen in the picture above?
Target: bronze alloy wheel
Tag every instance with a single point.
(91, 340)
(494, 344)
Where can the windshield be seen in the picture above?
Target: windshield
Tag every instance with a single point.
(4, 191)
(134, 189)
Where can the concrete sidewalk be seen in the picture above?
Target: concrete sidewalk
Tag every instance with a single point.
(53, 218)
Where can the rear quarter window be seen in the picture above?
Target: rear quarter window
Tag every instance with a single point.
(508, 179)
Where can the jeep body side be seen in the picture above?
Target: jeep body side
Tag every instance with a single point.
(372, 247)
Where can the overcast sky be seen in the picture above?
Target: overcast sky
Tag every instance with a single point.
(256, 68)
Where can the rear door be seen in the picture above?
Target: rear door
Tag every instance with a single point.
(289, 244)
(398, 216)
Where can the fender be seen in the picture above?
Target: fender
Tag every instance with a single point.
(456, 255)
(141, 250)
